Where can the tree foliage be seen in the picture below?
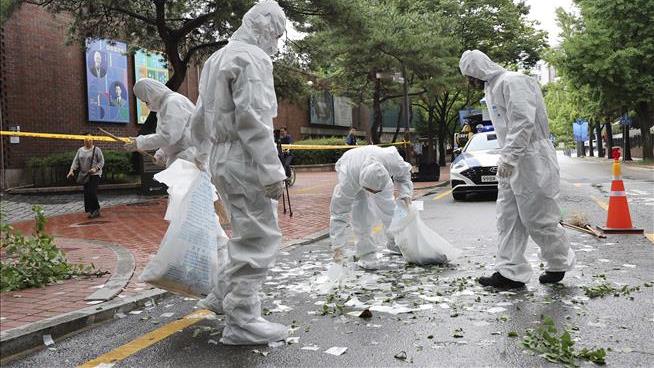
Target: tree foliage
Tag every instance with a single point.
(610, 49)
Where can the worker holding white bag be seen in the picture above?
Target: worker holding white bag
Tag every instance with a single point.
(365, 175)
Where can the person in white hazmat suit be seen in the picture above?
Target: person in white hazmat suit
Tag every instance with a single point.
(367, 174)
(528, 174)
(171, 138)
(232, 132)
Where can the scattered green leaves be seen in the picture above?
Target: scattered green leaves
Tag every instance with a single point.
(35, 261)
(559, 348)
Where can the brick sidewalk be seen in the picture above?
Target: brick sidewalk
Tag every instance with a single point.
(139, 228)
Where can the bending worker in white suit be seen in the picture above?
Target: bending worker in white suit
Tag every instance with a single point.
(173, 112)
(365, 174)
(528, 174)
(232, 131)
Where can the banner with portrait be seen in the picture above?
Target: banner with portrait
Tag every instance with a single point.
(106, 81)
(321, 108)
(148, 64)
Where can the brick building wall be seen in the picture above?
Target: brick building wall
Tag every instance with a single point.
(44, 90)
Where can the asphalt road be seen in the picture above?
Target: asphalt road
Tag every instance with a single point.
(454, 323)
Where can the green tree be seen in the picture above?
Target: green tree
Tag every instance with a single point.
(7, 7)
(610, 48)
(358, 56)
(499, 28)
(186, 31)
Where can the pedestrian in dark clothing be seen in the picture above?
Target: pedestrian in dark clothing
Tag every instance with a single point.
(284, 137)
(89, 161)
(351, 139)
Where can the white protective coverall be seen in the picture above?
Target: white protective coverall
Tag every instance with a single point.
(232, 131)
(374, 168)
(527, 199)
(173, 112)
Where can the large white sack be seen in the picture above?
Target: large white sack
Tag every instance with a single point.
(418, 243)
(187, 261)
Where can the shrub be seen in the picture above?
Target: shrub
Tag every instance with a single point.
(314, 157)
(34, 261)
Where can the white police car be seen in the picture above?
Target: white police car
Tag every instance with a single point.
(474, 169)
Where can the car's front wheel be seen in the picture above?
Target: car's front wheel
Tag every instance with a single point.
(458, 196)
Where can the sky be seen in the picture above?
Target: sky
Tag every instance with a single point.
(544, 11)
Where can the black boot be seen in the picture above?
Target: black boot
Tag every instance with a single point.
(500, 282)
(551, 277)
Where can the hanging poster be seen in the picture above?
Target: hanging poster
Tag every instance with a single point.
(321, 108)
(148, 64)
(342, 111)
(106, 81)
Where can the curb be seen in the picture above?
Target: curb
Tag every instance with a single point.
(20, 340)
(318, 235)
(441, 184)
(70, 189)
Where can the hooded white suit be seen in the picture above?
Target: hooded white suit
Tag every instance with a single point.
(527, 200)
(371, 167)
(173, 113)
(232, 131)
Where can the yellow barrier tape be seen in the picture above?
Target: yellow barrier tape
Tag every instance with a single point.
(310, 147)
(101, 138)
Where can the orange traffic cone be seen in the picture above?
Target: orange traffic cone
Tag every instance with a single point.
(619, 218)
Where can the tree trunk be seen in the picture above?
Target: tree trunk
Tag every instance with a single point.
(626, 143)
(430, 137)
(598, 138)
(591, 151)
(609, 139)
(441, 142)
(645, 117)
(377, 113)
(399, 123)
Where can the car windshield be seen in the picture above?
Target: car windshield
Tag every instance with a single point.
(482, 142)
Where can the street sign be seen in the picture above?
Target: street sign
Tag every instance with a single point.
(580, 130)
(625, 120)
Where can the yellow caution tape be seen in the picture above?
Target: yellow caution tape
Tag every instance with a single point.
(60, 136)
(102, 138)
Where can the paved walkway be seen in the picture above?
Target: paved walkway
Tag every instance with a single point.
(137, 225)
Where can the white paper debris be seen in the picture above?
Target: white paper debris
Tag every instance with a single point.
(495, 310)
(293, 340)
(629, 265)
(136, 312)
(212, 342)
(167, 314)
(276, 344)
(418, 205)
(47, 340)
(94, 302)
(336, 350)
(311, 347)
(120, 315)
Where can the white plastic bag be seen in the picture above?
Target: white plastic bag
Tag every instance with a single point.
(187, 262)
(418, 243)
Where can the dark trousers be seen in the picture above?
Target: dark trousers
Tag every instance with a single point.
(91, 194)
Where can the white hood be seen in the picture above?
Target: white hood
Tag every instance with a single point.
(262, 26)
(475, 63)
(151, 92)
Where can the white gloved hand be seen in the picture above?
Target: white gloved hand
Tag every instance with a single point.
(131, 145)
(504, 170)
(200, 164)
(159, 159)
(274, 191)
(406, 201)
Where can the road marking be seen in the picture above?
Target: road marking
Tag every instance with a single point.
(601, 203)
(308, 189)
(147, 340)
(439, 196)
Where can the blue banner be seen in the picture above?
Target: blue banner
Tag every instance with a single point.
(625, 120)
(106, 81)
(580, 130)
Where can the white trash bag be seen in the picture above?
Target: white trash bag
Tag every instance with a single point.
(187, 261)
(418, 243)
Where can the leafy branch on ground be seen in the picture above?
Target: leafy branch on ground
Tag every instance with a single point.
(35, 261)
(559, 348)
(604, 289)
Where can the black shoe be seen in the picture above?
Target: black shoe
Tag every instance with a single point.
(95, 214)
(500, 282)
(551, 277)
